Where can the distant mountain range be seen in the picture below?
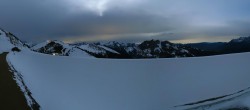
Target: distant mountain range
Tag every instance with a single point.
(146, 49)
(239, 45)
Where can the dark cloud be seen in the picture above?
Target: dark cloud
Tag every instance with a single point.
(116, 23)
(37, 20)
(30, 19)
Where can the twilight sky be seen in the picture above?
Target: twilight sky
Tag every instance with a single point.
(128, 20)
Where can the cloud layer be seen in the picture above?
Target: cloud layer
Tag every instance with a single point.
(134, 20)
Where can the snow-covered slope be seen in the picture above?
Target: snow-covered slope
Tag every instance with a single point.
(93, 49)
(66, 83)
(96, 50)
(8, 41)
(76, 52)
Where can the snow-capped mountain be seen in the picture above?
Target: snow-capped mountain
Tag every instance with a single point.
(146, 49)
(59, 48)
(155, 49)
(126, 50)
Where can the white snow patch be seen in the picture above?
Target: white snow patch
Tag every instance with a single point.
(184, 51)
(92, 49)
(109, 49)
(129, 49)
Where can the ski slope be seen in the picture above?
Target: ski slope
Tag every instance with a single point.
(67, 83)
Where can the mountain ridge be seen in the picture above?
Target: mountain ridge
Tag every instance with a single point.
(241, 44)
(146, 49)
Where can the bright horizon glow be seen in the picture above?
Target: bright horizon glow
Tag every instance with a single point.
(199, 40)
(116, 38)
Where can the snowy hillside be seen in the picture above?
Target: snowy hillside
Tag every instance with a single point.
(98, 51)
(8, 41)
(95, 49)
(66, 83)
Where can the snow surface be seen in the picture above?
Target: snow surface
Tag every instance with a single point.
(66, 83)
(239, 99)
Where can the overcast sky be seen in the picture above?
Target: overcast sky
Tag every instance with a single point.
(128, 20)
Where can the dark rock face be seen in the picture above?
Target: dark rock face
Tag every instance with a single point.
(241, 44)
(216, 47)
(53, 47)
(156, 49)
(15, 49)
